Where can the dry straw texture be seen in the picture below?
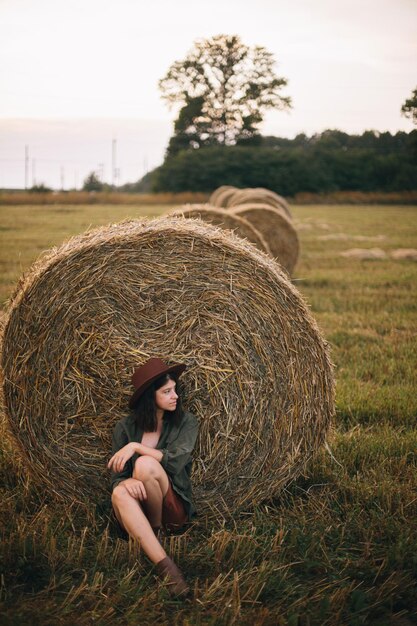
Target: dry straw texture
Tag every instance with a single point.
(260, 195)
(276, 229)
(226, 220)
(259, 376)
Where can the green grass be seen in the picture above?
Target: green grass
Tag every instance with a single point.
(338, 547)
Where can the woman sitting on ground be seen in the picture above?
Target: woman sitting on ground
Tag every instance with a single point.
(151, 465)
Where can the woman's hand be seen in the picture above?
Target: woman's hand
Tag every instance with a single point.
(118, 460)
(135, 488)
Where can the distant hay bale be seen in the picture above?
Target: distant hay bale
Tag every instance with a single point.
(251, 204)
(259, 376)
(217, 192)
(365, 254)
(226, 220)
(223, 198)
(259, 195)
(276, 229)
(404, 254)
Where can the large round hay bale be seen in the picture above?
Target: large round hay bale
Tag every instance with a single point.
(217, 192)
(276, 229)
(223, 198)
(226, 220)
(259, 376)
(260, 195)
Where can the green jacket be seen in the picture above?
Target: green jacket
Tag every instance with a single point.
(176, 443)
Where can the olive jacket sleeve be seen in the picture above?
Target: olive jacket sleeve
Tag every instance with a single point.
(120, 438)
(179, 446)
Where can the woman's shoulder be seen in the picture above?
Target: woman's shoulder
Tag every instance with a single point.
(189, 419)
(126, 419)
(126, 423)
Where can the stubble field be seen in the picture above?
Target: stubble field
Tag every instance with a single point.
(338, 547)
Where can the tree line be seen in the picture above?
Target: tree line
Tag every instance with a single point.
(326, 162)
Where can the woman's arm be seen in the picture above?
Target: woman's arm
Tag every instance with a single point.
(122, 456)
(153, 452)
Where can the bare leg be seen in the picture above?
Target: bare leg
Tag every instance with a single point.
(131, 516)
(156, 482)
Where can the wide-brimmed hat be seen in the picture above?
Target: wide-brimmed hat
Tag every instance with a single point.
(144, 376)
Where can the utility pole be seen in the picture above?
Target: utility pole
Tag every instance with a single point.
(62, 177)
(26, 167)
(33, 172)
(113, 162)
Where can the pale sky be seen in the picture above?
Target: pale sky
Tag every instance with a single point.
(75, 74)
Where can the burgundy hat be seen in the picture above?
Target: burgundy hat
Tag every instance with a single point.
(144, 376)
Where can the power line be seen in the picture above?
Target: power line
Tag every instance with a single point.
(113, 162)
(26, 167)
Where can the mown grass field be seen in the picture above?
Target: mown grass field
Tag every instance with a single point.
(339, 547)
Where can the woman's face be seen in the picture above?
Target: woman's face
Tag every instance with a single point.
(165, 396)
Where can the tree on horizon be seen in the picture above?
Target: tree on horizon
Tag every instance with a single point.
(409, 108)
(224, 88)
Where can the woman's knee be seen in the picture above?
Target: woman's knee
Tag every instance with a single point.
(119, 494)
(146, 468)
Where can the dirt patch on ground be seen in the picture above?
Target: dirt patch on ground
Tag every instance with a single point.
(303, 226)
(309, 225)
(408, 254)
(365, 253)
(344, 237)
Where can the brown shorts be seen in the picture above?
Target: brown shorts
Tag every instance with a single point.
(174, 515)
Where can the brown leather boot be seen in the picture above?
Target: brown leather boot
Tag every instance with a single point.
(172, 575)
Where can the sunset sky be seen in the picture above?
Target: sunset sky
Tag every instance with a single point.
(76, 75)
